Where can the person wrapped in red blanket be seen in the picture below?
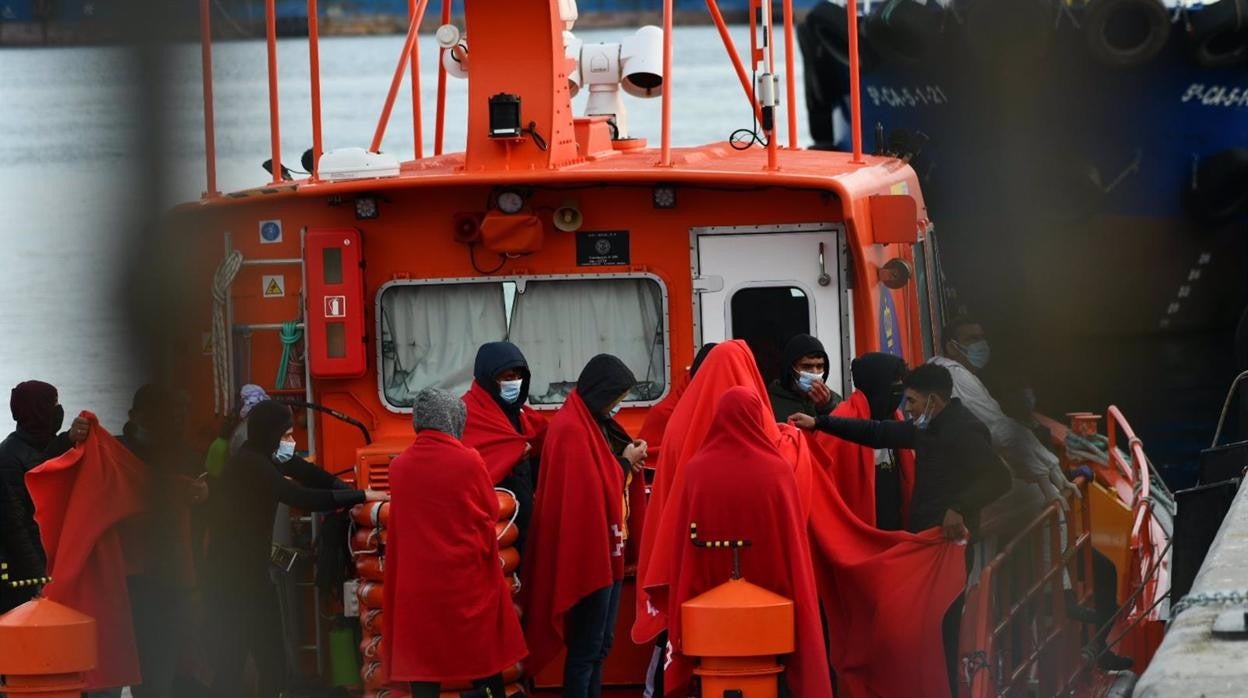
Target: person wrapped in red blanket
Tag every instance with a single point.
(575, 564)
(877, 484)
(448, 614)
(81, 499)
(502, 428)
(738, 487)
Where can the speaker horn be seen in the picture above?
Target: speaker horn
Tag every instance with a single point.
(568, 217)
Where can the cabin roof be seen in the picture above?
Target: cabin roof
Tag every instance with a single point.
(717, 164)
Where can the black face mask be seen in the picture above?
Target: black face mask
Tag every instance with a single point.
(58, 419)
(896, 393)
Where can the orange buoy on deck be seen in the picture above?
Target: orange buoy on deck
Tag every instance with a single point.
(736, 631)
(48, 648)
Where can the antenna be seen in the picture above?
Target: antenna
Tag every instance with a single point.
(855, 95)
(734, 545)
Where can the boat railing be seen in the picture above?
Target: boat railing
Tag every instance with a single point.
(1018, 638)
(1146, 550)
(761, 56)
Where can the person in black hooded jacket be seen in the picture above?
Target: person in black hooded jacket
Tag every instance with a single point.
(802, 385)
(502, 373)
(263, 473)
(39, 416)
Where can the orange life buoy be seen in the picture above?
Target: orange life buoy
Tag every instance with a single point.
(372, 594)
(507, 533)
(509, 559)
(506, 505)
(371, 620)
(371, 514)
(368, 540)
(371, 567)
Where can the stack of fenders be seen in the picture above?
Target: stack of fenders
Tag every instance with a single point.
(368, 549)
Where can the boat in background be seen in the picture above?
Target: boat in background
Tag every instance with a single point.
(1088, 164)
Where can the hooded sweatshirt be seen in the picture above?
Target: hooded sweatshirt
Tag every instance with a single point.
(787, 397)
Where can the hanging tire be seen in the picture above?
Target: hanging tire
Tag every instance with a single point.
(1219, 34)
(1219, 191)
(904, 31)
(1125, 33)
(829, 28)
(1008, 34)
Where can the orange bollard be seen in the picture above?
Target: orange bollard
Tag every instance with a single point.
(48, 648)
(737, 630)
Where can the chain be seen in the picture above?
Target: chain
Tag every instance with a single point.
(1209, 598)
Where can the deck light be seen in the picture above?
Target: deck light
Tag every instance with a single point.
(365, 208)
(664, 196)
(509, 201)
(505, 116)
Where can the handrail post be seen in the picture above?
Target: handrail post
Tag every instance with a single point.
(855, 96)
(210, 139)
(408, 46)
(314, 67)
(665, 149)
(717, 17)
(790, 83)
(439, 124)
(275, 127)
(417, 136)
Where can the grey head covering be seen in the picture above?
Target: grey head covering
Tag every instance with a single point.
(440, 411)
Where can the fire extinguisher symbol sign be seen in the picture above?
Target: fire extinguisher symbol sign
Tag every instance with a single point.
(335, 306)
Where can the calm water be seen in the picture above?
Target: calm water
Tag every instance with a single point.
(67, 166)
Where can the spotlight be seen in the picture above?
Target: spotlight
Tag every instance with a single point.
(505, 116)
(365, 208)
(664, 196)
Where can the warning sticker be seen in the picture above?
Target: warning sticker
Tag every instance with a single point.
(335, 306)
(273, 286)
(270, 232)
(205, 343)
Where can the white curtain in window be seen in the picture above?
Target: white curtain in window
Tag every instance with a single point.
(435, 332)
(560, 325)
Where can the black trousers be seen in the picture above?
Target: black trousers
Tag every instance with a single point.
(951, 627)
(248, 624)
(484, 688)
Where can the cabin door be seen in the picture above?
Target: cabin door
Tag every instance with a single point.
(764, 284)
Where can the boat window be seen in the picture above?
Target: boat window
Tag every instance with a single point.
(431, 332)
(925, 297)
(766, 317)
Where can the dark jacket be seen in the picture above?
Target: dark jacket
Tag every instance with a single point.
(21, 549)
(492, 359)
(603, 380)
(955, 465)
(246, 498)
(787, 398)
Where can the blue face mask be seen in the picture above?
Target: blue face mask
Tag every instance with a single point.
(509, 391)
(978, 353)
(285, 451)
(806, 381)
(923, 420)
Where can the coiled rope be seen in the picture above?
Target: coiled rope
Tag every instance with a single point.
(222, 370)
(290, 334)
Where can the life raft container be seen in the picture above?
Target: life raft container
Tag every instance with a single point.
(1125, 33)
(1218, 34)
(1219, 189)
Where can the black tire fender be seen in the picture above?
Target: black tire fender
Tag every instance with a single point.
(1218, 34)
(905, 31)
(1219, 190)
(1125, 33)
(829, 28)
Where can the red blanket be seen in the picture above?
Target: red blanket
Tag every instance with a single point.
(738, 487)
(448, 614)
(728, 364)
(576, 537)
(494, 436)
(81, 498)
(853, 466)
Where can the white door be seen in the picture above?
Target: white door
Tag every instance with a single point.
(765, 284)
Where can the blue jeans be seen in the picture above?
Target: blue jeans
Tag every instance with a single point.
(589, 632)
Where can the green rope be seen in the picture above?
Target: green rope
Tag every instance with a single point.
(290, 334)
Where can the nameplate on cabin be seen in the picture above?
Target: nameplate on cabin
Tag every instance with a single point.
(603, 248)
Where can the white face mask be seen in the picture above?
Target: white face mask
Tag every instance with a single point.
(509, 391)
(806, 381)
(285, 451)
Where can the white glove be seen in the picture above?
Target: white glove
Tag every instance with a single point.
(1052, 494)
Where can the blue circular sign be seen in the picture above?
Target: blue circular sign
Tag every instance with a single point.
(270, 231)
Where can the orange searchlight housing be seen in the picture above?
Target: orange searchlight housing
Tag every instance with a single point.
(335, 298)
